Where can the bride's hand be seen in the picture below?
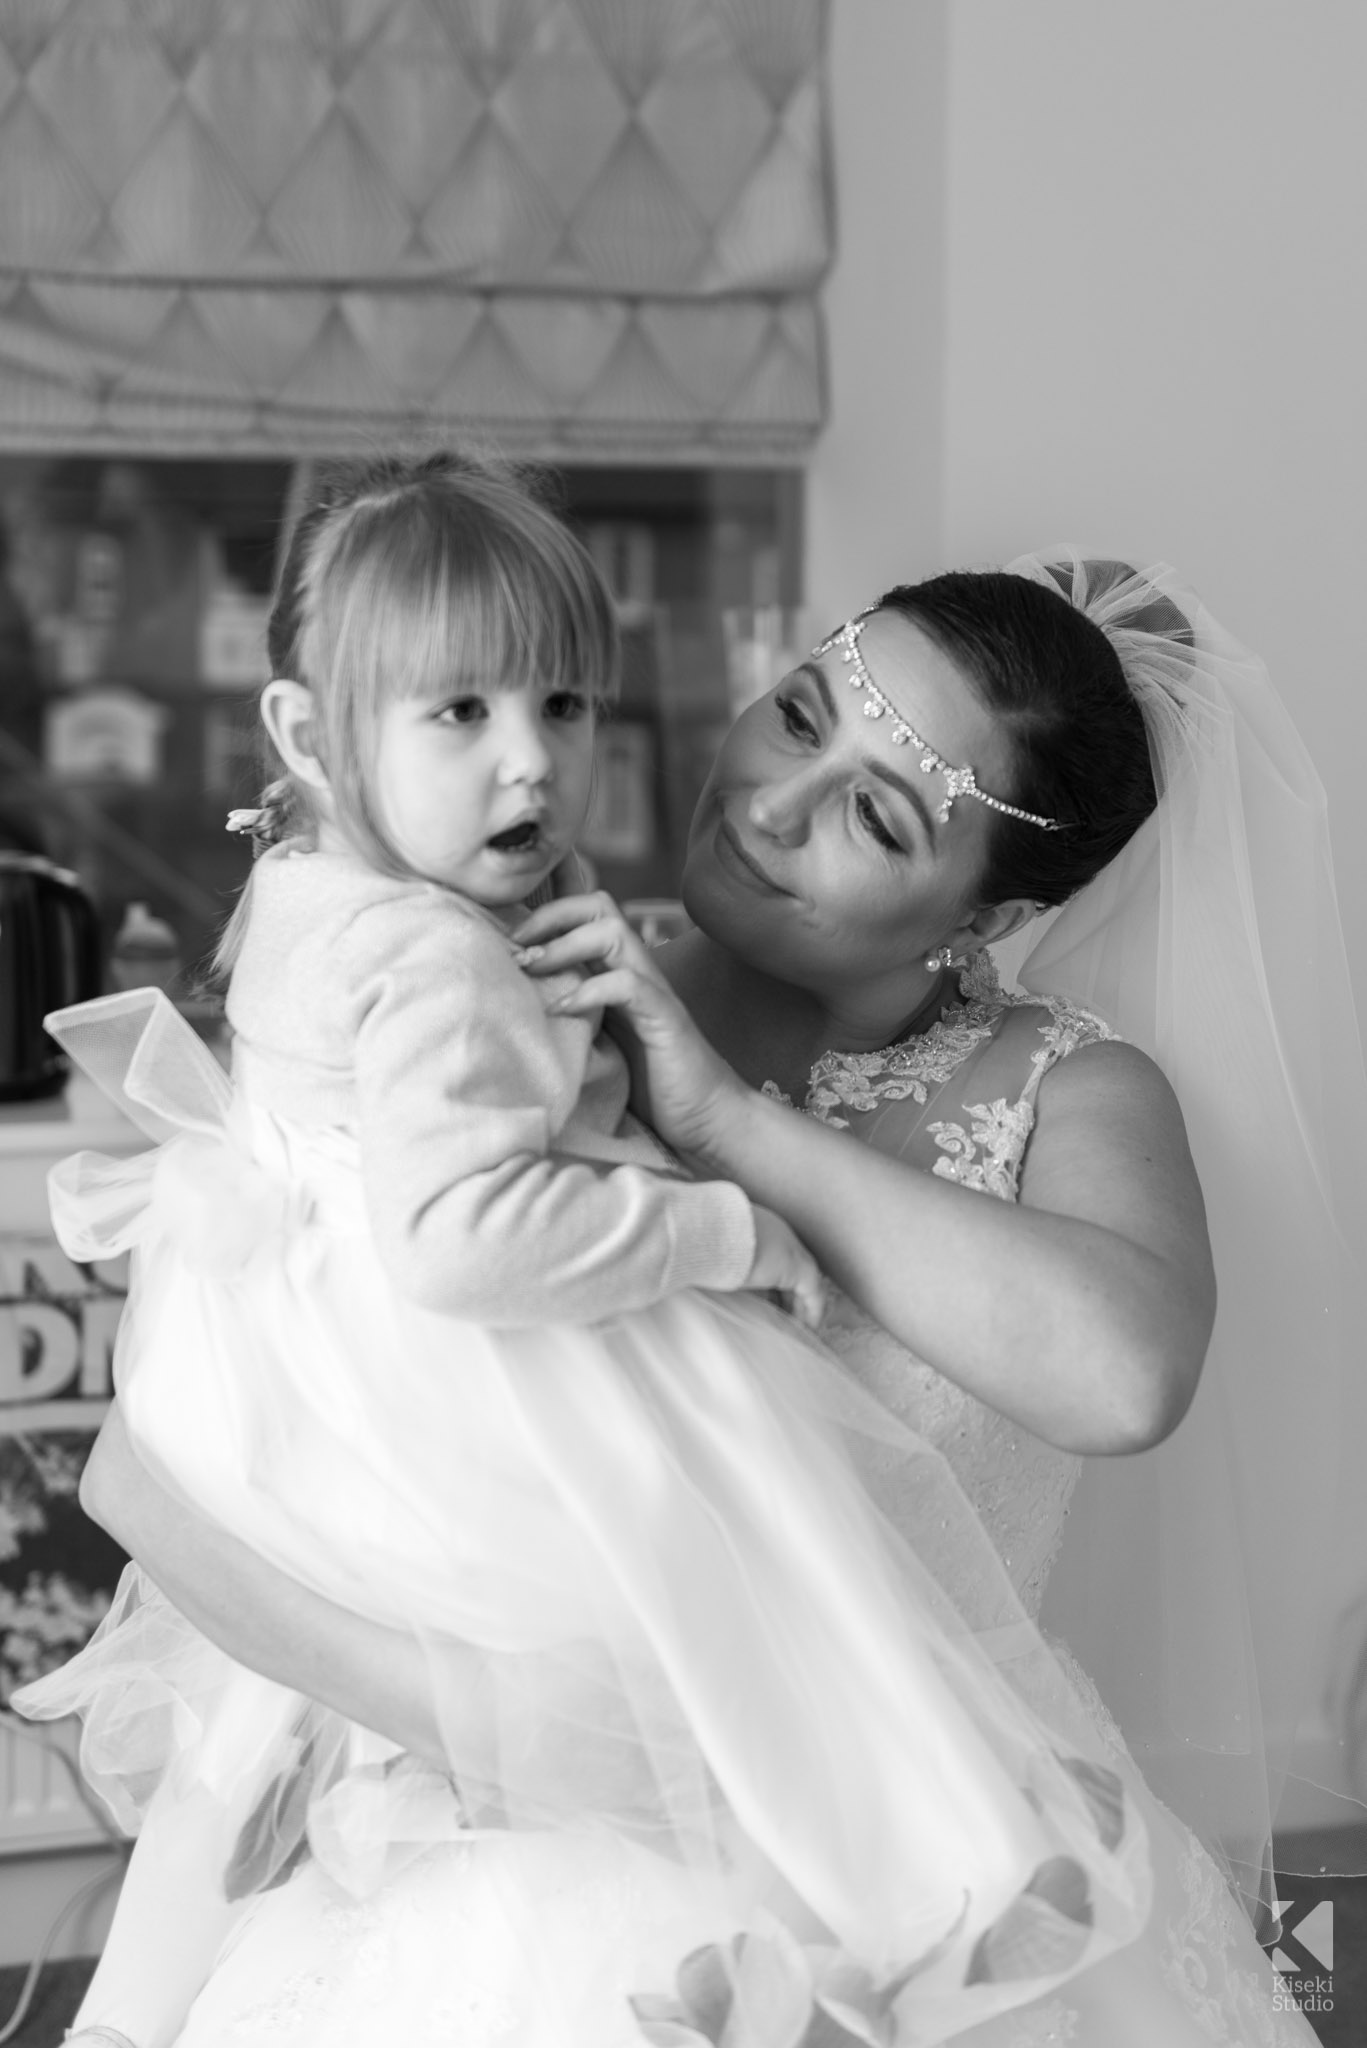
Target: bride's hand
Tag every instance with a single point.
(680, 1086)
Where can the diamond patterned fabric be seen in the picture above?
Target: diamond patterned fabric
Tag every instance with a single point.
(580, 228)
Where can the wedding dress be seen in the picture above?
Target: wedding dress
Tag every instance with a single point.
(961, 1099)
(479, 1945)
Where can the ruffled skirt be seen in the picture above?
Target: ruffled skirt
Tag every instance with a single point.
(677, 1657)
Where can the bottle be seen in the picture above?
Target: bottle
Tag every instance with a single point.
(146, 952)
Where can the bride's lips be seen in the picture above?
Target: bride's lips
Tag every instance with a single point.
(738, 861)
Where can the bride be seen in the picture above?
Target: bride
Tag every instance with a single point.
(969, 754)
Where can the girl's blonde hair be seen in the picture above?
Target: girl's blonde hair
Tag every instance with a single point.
(402, 578)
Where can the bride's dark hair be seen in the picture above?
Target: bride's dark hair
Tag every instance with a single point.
(1079, 749)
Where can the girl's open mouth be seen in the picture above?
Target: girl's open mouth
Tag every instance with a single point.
(524, 838)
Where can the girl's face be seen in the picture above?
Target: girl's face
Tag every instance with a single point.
(485, 787)
(816, 852)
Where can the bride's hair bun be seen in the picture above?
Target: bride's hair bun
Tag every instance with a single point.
(1147, 609)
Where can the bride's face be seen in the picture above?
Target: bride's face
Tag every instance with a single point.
(817, 852)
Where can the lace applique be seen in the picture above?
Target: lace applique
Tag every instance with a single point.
(912, 1067)
(1045, 2025)
(356, 1932)
(1000, 1130)
(1099, 1716)
(861, 1080)
(367, 1945)
(278, 2018)
(1229, 2003)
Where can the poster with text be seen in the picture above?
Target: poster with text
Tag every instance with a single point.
(57, 1569)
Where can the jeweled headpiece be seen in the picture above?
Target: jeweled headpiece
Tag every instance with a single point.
(958, 781)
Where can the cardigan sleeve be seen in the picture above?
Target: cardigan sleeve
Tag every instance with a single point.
(463, 1082)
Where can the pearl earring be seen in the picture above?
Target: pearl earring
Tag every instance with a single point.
(936, 962)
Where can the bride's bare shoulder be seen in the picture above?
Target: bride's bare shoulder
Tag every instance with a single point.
(1110, 1076)
(1110, 1145)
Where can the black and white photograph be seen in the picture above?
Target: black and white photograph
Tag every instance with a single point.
(683, 1225)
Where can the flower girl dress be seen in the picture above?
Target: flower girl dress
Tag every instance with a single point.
(716, 1739)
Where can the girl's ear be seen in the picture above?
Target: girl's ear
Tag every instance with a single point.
(287, 714)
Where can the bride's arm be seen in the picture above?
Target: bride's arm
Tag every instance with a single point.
(374, 1675)
(1083, 1311)
(379, 1676)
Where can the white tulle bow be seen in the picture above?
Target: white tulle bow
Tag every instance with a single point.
(201, 1185)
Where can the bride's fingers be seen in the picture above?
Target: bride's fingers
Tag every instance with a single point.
(597, 941)
(621, 988)
(597, 933)
(565, 914)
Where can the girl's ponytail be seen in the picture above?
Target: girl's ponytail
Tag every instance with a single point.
(280, 813)
(276, 817)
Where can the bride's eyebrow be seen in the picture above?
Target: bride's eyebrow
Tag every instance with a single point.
(814, 675)
(884, 774)
(910, 792)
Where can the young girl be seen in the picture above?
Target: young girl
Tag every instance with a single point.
(417, 1314)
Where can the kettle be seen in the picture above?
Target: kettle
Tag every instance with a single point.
(49, 957)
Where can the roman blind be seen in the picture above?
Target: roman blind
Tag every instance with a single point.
(588, 230)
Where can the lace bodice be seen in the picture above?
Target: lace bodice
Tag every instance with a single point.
(959, 1100)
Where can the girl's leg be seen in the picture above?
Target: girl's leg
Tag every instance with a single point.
(171, 1920)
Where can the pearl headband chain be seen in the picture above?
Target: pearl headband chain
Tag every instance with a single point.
(958, 781)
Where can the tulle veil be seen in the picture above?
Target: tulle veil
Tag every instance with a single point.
(1197, 1583)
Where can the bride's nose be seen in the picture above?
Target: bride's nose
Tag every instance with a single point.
(782, 808)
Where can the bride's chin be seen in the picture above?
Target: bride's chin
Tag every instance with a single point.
(717, 905)
(752, 929)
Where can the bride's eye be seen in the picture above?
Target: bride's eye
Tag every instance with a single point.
(873, 824)
(795, 718)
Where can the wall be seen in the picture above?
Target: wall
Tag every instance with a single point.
(1107, 282)
(1156, 323)
(875, 483)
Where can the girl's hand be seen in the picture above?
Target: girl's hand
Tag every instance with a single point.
(784, 1266)
(680, 1086)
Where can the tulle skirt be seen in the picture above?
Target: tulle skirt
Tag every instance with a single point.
(674, 1651)
(541, 1941)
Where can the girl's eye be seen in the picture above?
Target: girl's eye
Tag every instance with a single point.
(795, 718)
(567, 705)
(463, 711)
(874, 826)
